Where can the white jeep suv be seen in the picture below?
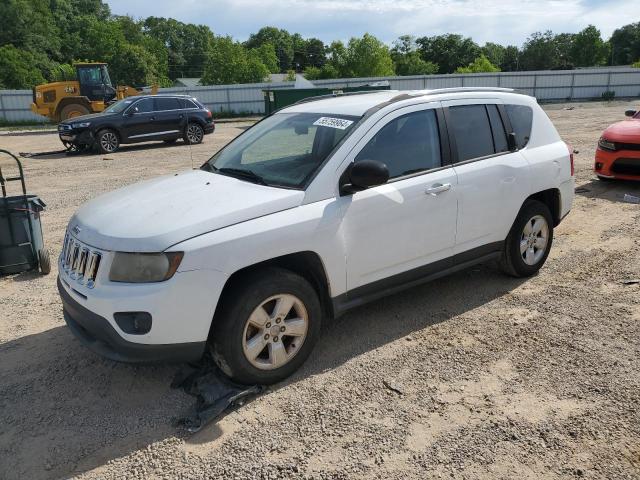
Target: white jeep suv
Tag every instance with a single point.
(317, 209)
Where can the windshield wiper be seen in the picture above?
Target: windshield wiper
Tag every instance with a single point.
(249, 175)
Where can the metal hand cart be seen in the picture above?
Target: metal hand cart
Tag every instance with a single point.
(21, 243)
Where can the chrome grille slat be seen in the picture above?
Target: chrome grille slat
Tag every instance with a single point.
(79, 261)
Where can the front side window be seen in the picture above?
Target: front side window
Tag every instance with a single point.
(521, 118)
(144, 106)
(407, 144)
(284, 150)
(472, 131)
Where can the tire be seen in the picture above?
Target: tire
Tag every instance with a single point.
(193, 134)
(535, 217)
(73, 110)
(249, 318)
(44, 261)
(107, 141)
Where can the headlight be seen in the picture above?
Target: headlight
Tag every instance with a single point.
(606, 144)
(81, 124)
(144, 267)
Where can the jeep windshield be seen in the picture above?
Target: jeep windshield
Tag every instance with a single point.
(283, 150)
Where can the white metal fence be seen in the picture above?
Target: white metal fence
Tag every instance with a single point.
(248, 98)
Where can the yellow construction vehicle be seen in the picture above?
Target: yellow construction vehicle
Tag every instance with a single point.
(91, 92)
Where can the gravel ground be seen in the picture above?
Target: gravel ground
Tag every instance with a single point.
(472, 376)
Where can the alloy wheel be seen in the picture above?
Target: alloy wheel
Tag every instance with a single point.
(534, 240)
(275, 332)
(194, 133)
(109, 141)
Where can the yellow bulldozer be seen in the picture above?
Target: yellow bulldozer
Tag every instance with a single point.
(91, 92)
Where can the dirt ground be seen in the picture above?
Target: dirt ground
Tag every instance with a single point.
(496, 377)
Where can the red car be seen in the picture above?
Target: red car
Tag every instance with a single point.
(618, 152)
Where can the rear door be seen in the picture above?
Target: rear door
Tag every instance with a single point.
(169, 115)
(492, 180)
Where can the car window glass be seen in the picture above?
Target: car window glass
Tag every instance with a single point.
(472, 132)
(521, 118)
(497, 128)
(167, 104)
(185, 103)
(144, 106)
(407, 144)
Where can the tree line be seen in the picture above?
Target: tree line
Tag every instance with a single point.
(40, 40)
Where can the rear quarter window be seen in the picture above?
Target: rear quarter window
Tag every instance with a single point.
(521, 118)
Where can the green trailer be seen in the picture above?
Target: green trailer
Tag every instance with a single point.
(280, 98)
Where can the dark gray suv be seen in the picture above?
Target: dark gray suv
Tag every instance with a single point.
(140, 118)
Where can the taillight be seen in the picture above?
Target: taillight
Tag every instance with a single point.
(209, 115)
(571, 159)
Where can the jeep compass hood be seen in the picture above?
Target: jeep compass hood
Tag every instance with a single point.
(153, 215)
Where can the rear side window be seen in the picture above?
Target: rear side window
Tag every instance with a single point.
(407, 144)
(521, 118)
(472, 131)
(497, 129)
(167, 104)
(185, 103)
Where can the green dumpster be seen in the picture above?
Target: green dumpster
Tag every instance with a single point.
(277, 99)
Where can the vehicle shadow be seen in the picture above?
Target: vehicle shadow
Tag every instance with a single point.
(611, 190)
(78, 411)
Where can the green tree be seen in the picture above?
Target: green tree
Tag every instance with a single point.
(511, 59)
(588, 48)
(362, 57)
(479, 65)
(18, 69)
(540, 52)
(448, 51)
(494, 52)
(230, 62)
(280, 39)
(407, 60)
(267, 55)
(625, 44)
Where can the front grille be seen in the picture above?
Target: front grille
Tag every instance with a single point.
(628, 146)
(80, 262)
(626, 166)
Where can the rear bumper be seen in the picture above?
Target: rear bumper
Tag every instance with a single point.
(209, 128)
(622, 164)
(96, 333)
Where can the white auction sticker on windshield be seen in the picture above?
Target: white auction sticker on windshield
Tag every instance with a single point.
(339, 123)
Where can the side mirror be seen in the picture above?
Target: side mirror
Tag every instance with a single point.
(131, 111)
(630, 113)
(512, 142)
(362, 175)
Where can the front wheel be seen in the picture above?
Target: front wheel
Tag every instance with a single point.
(529, 241)
(267, 326)
(193, 134)
(107, 141)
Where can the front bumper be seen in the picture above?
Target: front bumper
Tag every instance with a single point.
(98, 335)
(77, 137)
(621, 164)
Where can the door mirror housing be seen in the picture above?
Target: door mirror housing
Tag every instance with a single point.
(131, 111)
(512, 142)
(362, 175)
(630, 113)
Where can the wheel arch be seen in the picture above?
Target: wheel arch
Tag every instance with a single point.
(551, 198)
(307, 264)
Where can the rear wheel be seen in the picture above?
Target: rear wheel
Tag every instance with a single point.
(73, 110)
(45, 262)
(267, 327)
(107, 141)
(193, 133)
(529, 241)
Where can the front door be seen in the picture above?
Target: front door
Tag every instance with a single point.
(402, 228)
(140, 120)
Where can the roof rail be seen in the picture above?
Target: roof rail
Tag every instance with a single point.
(333, 95)
(437, 91)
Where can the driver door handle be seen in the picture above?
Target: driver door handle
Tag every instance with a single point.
(437, 188)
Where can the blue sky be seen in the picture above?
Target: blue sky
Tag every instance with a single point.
(505, 21)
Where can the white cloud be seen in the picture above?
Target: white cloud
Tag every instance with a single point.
(506, 21)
